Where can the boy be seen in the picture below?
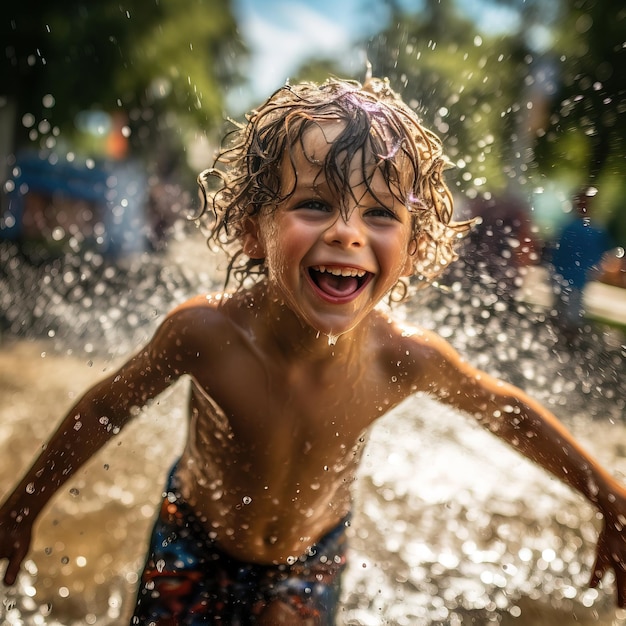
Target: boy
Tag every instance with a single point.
(328, 198)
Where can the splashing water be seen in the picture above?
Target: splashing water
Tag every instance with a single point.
(450, 526)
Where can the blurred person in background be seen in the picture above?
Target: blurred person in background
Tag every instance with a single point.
(576, 259)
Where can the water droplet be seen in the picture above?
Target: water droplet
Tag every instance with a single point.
(246, 499)
(30, 488)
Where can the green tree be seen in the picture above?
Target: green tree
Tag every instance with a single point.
(466, 85)
(164, 63)
(587, 122)
(588, 51)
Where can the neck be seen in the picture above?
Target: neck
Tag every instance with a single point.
(294, 338)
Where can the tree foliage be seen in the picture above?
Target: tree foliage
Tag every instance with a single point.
(589, 107)
(466, 84)
(514, 112)
(150, 59)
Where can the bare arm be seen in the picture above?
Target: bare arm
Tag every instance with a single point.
(97, 417)
(535, 432)
(513, 416)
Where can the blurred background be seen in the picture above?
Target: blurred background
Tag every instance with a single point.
(109, 110)
(527, 94)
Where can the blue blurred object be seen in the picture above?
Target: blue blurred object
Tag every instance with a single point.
(100, 201)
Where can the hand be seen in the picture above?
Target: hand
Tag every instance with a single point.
(611, 553)
(15, 538)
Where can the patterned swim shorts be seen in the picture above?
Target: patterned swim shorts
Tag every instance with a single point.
(188, 580)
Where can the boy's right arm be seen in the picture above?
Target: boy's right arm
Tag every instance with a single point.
(100, 414)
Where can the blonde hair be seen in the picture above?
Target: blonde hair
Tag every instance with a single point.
(246, 174)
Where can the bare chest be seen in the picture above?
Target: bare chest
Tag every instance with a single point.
(290, 418)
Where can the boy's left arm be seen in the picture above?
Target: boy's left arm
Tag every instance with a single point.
(535, 432)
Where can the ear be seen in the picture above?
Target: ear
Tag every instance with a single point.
(251, 241)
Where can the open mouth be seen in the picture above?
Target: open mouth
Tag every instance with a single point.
(339, 282)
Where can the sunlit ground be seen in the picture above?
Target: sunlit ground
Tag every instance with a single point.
(450, 527)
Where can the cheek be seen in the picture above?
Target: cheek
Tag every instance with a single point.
(285, 258)
(408, 259)
(394, 252)
(289, 240)
(406, 252)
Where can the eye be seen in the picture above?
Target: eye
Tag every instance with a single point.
(314, 205)
(381, 213)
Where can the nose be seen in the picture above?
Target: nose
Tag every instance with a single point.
(346, 231)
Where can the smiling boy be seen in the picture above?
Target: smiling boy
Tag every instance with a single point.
(326, 200)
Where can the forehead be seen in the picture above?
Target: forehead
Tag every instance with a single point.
(326, 154)
(317, 139)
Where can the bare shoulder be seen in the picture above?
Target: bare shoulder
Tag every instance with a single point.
(196, 330)
(206, 305)
(423, 361)
(403, 339)
(197, 316)
(416, 355)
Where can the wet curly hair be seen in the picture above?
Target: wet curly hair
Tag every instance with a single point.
(377, 126)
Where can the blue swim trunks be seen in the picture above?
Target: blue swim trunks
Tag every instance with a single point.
(188, 580)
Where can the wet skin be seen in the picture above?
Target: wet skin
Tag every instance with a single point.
(277, 416)
(288, 448)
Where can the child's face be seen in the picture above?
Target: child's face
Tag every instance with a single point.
(331, 257)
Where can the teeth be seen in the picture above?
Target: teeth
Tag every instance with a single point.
(341, 271)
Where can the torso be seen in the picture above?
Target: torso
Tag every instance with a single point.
(274, 441)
